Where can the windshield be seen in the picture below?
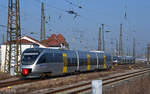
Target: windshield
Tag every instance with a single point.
(114, 58)
(29, 58)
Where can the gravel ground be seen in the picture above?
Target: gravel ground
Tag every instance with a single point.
(57, 82)
(4, 76)
(138, 85)
(60, 81)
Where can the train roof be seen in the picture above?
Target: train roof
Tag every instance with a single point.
(98, 51)
(124, 57)
(47, 49)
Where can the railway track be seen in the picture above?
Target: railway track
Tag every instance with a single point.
(86, 86)
(20, 82)
(15, 82)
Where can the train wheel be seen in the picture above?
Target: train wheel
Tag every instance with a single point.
(43, 75)
(77, 71)
(49, 74)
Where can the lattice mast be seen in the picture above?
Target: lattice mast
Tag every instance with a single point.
(13, 44)
(117, 48)
(42, 22)
(120, 42)
(134, 47)
(103, 37)
(99, 40)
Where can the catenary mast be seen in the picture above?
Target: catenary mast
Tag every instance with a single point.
(13, 42)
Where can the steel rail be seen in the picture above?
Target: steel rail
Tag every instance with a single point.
(16, 82)
(87, 85)
(88, 88)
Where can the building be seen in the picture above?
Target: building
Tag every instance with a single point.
(53, 42)
(26, 41)
(56, 41)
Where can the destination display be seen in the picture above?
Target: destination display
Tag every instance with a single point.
(31, 53)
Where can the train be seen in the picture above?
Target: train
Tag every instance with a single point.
(123, 60)
(41, 62)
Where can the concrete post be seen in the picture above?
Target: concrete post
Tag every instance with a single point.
(97, 87)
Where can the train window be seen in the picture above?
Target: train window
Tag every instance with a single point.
(69, 61)
(58, 57)
(95, 61)
(108, 58)
(50, 58)
(42, 59)
(54, 57)
(85, 61)
(81, 61)
(101, 59)
(91, 61)
(29, 58)
(74, 61)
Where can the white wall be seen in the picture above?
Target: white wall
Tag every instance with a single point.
(3, 49)
(23, 46)
(26, 38)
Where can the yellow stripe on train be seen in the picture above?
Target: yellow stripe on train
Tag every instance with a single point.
(88, 61)
(65, 62)
(105, 62)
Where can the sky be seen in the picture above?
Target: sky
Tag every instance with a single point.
(81, 31)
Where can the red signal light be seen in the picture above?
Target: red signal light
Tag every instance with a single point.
(25, 71)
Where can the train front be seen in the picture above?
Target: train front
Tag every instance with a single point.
(28, 62)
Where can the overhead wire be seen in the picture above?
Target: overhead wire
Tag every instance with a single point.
(64, 10)
(128, 32)
(59, 9)
(71, 11)
(80, 16)
(76, 5)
